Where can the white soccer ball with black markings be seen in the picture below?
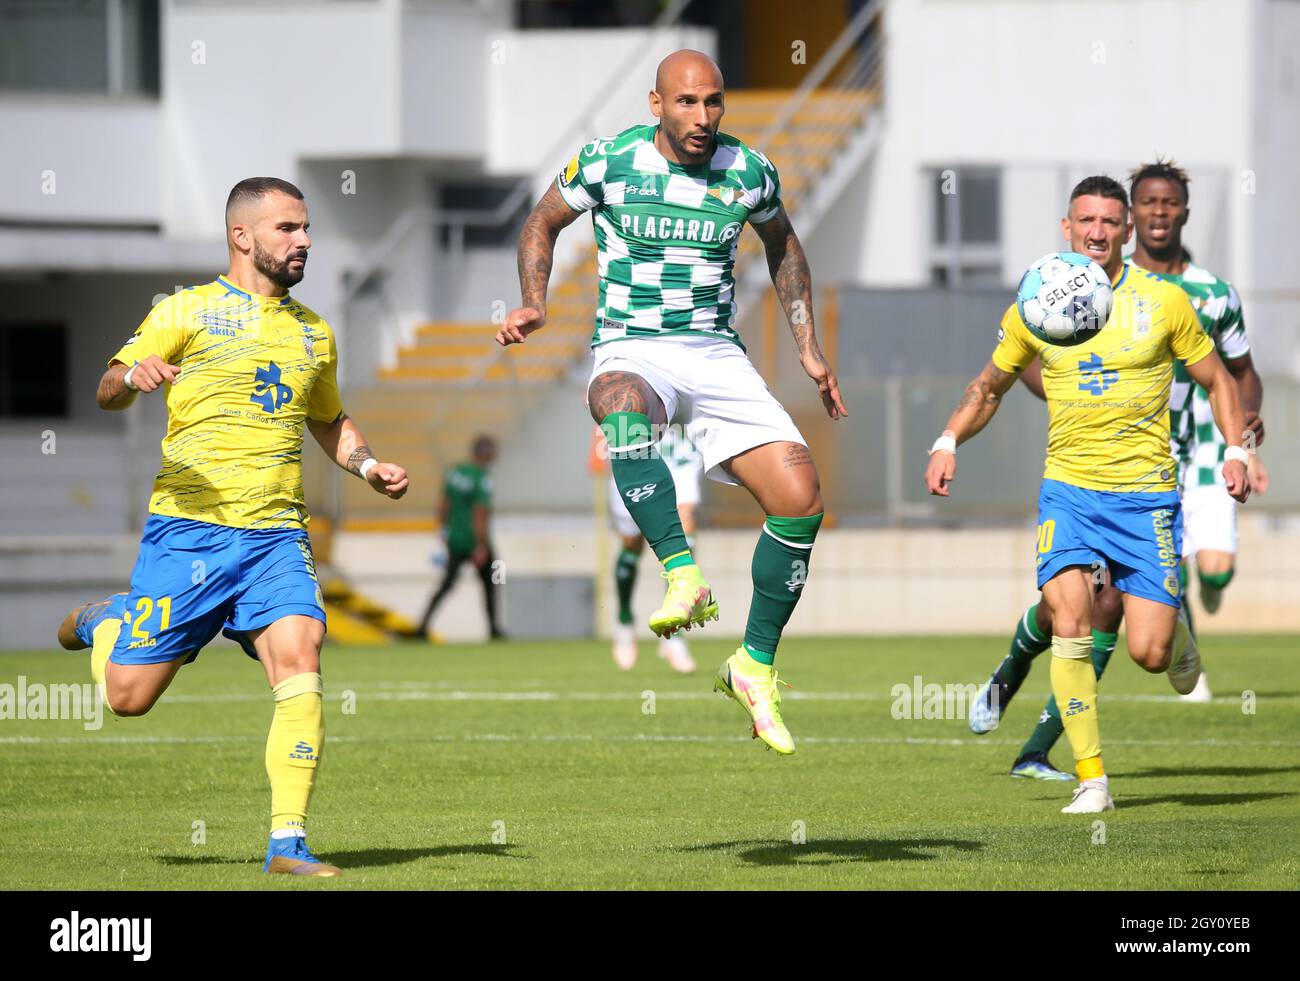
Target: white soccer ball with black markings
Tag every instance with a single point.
(1064, 298)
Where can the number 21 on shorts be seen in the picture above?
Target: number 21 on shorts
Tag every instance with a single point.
(144, 607)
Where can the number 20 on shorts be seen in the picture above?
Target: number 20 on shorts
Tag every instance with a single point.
(1045, 532)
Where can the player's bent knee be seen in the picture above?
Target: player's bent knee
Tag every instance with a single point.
(129, 701)
(1150, 655)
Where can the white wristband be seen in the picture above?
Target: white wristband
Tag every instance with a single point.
(1236, 453)
(946, 443)
(126, 379)
(365, 467)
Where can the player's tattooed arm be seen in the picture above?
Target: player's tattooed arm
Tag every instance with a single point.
(792, 278)
(342, 440)
(536, 253)
(356, 458)
(112, 393)
(146, 376)
(978, 403)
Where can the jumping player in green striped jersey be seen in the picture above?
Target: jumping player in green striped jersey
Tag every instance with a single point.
(1160, 194)
(668, 204)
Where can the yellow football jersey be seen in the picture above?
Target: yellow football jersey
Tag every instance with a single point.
(1108, 398)
(254, 369)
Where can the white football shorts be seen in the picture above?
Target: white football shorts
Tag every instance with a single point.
(709, 386)
(1209, 520)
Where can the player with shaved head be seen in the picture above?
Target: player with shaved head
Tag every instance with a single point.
(244, 368)
(669, 201)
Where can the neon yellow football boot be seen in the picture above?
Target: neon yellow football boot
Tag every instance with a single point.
(688, 602)
(753, 686)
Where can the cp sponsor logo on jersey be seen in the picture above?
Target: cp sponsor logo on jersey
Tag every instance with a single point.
(638, 494)
(268, 391)
(729, 231)
(1096, 376)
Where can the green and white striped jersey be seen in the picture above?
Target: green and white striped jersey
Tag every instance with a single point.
(1194, 438)
(666, 233)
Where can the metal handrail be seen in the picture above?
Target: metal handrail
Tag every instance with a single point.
(849, 36)
(857, 80)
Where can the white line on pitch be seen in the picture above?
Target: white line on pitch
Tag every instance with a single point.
(458, 695)
(592, 738)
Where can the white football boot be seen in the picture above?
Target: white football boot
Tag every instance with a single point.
(1090, 797)
(625, 646)
(677, 654)
(1185, 664)
(1201, 694)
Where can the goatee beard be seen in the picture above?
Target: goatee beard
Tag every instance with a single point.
(277, 272)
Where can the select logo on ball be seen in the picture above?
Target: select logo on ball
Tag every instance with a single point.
(1064, 298)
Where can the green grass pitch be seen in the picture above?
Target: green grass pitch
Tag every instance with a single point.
(448, 750)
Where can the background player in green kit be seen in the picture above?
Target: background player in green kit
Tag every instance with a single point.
(668, 205)
(1160, 209)
(465, 510)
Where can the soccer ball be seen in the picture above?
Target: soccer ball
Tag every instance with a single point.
(1064, 298)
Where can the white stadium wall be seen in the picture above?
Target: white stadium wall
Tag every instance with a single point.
(861, 581)
(1041, 89)
(52, 170)
(1273, 302)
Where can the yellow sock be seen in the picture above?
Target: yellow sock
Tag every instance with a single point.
(293, 748)
(1074, 683)
(104, 640)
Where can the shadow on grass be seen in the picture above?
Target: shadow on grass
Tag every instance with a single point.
(1210, 771)
(364, 858)
(1200, 800)
(831, 851)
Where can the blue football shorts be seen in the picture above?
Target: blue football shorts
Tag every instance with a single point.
(1138, 536)
(193, 579)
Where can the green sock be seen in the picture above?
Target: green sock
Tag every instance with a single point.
(1026, 645)
(1215, 580)
(1050, 726)
(624, 581)
(646, 484)
(780, 569)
